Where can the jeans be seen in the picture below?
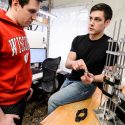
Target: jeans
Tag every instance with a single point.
(70, 91)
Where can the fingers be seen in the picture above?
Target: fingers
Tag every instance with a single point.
(87, 78)
(15, 116)
(30, 95)
(90, 75)
(8, 119)
(79, 64)
(75, 65)
(83, 78)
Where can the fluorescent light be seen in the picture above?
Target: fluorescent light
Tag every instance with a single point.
(47, 14)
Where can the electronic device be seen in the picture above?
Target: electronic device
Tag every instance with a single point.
(38, 55)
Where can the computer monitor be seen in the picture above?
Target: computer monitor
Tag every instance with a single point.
(38, 55)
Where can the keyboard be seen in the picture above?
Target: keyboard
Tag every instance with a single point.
(36, 70)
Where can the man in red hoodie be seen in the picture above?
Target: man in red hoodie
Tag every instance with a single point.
(15, 73)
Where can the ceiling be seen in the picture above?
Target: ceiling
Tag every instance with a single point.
(117, 5)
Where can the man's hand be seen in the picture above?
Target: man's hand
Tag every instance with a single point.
(8, 119)
(79, 64)
(30, 94)
(87, 78)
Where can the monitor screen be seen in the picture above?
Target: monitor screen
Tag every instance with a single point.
(38, 55)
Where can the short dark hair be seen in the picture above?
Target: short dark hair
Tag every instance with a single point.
(105, 8)
(22, 2)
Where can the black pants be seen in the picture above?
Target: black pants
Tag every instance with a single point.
(17, 109)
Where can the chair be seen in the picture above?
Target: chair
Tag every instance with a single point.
(49, 81)
(48, 84)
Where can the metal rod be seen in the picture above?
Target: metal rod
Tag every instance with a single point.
(111, 42)
(101, 99)
(119, 29)
(120, 47)
(107, 57)
(116, 46)
(110, 54)
(114, 30)
(105, 104)
(110, 103)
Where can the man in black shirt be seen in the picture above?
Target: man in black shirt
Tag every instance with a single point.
(86, 58)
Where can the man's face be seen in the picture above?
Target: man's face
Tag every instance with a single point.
(26, 14)
(97, 22)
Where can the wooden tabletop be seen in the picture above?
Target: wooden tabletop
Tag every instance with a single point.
(65, 115)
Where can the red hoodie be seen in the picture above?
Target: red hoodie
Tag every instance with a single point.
(15, 73)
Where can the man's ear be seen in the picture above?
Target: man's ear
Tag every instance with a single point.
(15, 4)
(107, 22)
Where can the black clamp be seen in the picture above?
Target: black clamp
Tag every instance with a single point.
(81, 114)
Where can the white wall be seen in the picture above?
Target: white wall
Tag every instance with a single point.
(70, 22)
(35, 39)
(118, 7)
